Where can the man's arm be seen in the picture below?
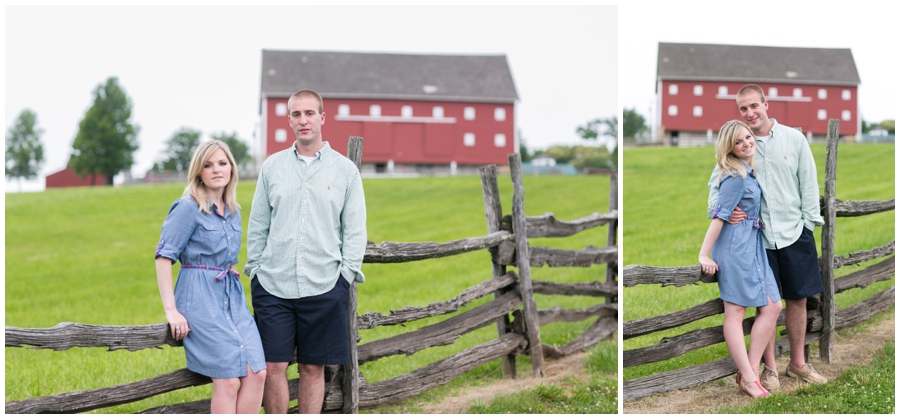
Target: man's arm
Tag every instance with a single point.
(809, 188)
(258, 225)
(353, 230)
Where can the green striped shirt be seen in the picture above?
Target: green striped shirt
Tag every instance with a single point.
(786, 172)
(307, 224)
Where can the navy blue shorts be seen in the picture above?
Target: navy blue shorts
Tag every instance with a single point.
(316, 326)
(796, 268)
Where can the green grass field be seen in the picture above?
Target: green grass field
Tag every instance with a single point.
(85, 255)
(664, 222)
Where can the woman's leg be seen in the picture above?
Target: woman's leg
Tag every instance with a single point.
(734, 339)
(249, 398)
(225, 391)
(763, 330)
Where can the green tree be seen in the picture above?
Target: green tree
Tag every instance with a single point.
(106, 139)
(591, 129)
(633, 124)
(239, 149)
(888, 124)
(179, 150)
(523, 149)
(24, 152)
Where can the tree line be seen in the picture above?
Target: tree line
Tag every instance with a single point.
(106, 141)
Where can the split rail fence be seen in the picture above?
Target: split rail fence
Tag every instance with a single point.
(822, 313)
(518, 328)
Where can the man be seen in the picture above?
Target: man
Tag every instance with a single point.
(305, 244)
(790, 210)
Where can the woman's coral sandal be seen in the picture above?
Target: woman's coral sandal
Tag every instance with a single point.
(741, 384)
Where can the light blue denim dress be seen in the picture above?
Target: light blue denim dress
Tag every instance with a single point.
(745, 277)
(223, 339)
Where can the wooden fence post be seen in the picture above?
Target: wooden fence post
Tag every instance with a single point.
(826, 263)
(350, 384)
(493, 213)
(613, 266)
(523, 258)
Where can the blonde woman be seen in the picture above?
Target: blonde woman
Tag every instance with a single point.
(207, 309)
(737, 252)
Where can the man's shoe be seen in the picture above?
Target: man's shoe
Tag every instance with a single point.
(769, 378)
(807, 373)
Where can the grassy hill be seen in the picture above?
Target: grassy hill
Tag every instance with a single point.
(85, 255)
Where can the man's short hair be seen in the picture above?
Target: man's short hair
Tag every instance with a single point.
(308, 93)
(751, 87)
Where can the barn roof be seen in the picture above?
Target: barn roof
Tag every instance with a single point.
(756, 64)
(469, 78)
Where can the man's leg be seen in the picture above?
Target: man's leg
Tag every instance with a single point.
(311, 392)
(795, 320)
(275, 395)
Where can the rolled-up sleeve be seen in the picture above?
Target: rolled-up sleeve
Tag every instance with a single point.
(258, 225)
(730, 192)
(353, 222)
(177, 229)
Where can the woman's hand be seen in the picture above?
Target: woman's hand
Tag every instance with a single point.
(177, 325)
(708, 266)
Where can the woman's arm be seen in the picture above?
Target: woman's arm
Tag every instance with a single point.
(177, 323)
(707, 265)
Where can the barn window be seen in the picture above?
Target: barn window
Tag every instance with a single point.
(723, 90)
(469, 139)
(673, 89)
(280, 135)
(798, 92)
(469, 113)
(499, 140)
(845, 94)
(698, 90)
(375, 110)
(821, 114)
(673, 110)
(406, 111)
(499, 114)
(281, 109)
(823, 94)
(698, 111)
(845, 115)
(773, 92)
(343, 110)
(437, 112)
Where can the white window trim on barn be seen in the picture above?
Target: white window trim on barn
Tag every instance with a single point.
(281, 109)
(469, 139)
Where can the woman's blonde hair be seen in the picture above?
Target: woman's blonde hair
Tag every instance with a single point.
(725, 159)
(195, 187)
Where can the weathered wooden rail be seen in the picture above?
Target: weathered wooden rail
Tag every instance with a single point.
(512, 293)
(822, 314)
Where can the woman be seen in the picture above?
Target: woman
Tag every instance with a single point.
(745, 278)
(207, 309)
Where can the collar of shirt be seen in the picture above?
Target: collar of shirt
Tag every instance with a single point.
(321, 154)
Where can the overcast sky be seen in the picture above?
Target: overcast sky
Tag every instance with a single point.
(870, 36)
(199, 66)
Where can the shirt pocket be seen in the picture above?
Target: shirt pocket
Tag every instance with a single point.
(741, 242)
(210, 233)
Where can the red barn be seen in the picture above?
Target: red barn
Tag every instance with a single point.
(696, 86)
(415, 112)
(67, 178)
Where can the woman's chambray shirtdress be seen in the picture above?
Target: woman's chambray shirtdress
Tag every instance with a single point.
(223, 337)
(745, 277)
